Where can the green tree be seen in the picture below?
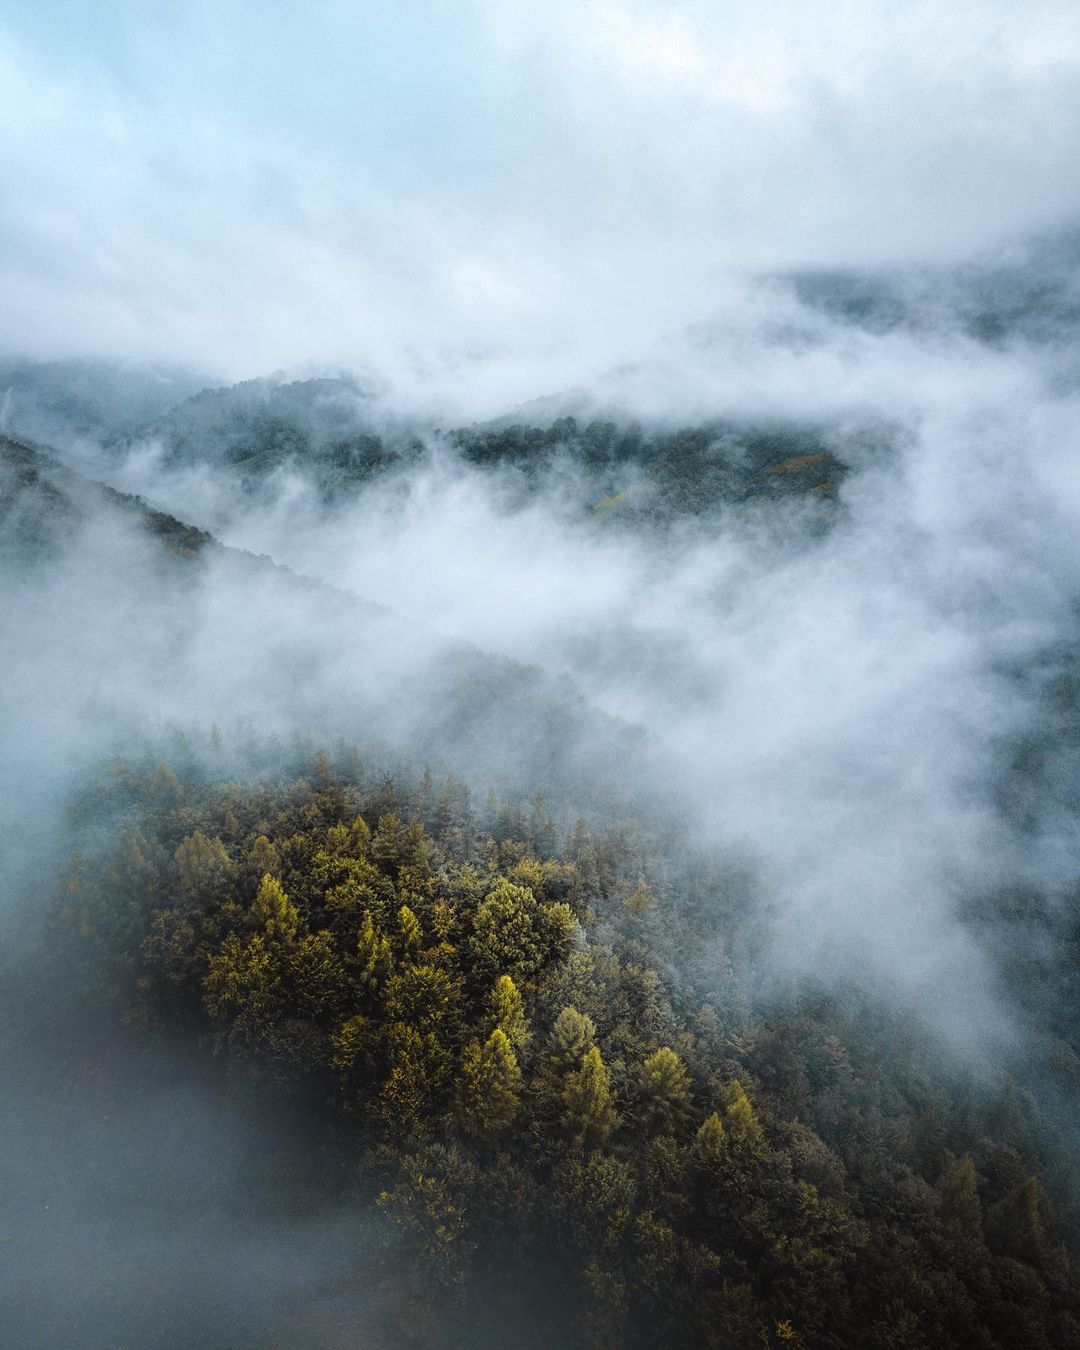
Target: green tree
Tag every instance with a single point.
(424, 996)
(351, 1043)
(411, 934)
(274, 912)
(506, 938)
(243, 988)
(419, 1070)
(572, 1036)
(316, 976)
(710, 1146)
(665, 1091)
(205, 869)
(262, 857)
(489, 1084)
(959, 1195)
(374, 955)
(588, 1105)
(386, 847)
(360, 837)
(743, 1127)
(508, 1013)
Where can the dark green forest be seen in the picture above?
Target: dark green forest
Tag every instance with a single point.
(541, 1054)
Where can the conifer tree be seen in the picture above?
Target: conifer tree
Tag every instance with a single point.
(488, 1086)
(665, 1087)
(360, 837)
(506, 933)
(709, 1148)
(418, 1070)
(508, 1013)
(588, 1108)
(742, 1124)
(422, 995)
(273, 911)
(205, 869)
(349, 1042)
(263, 857)
(387, 844)
(374, 955)
(639, 901)
(337, 840)
(572, 1035)
(960, 1205)
(410, 930)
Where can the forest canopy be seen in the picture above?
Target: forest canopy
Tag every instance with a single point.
(482, 1002)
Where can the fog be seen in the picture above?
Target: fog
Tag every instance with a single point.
(859, 220)
(839, 704)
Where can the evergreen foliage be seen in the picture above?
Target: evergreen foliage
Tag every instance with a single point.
(530, 1084)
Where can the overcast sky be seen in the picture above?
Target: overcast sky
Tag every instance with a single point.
(251, 186)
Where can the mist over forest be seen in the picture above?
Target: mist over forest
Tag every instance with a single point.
(539, 605)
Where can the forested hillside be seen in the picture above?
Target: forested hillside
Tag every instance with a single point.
(545, 1049)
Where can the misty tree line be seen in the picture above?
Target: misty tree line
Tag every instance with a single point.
(546, 1043)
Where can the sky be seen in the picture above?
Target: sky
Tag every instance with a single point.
(538, 189)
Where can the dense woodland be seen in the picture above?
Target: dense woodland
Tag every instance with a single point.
(541, 1044)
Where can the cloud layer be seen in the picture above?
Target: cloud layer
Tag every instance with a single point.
(531, 190)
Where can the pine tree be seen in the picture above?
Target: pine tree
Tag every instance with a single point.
(488, 1086)
(263, 857)
(360, 837)
(665, 1087)
(508, 1013)
(374, 955)
(572, 1036)
(742, 1124)
(419, 1065)
(387, 845)
(424, 996)
(350, 1042)
(507, 933)
(709, 1148)
(588, 1109)
(410, 930)
(316, 975)
(639, 901)
(273, 911)
(337, 840)
(959, 1195)
(206, 871)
